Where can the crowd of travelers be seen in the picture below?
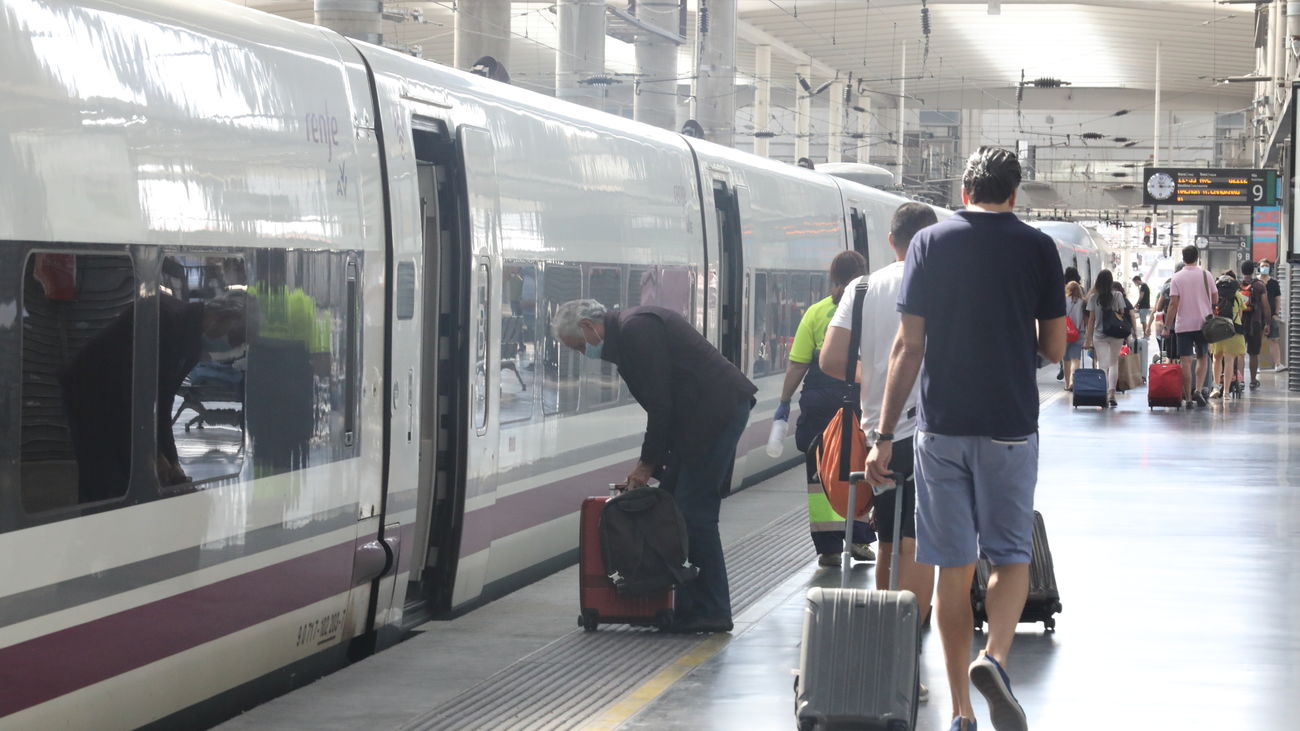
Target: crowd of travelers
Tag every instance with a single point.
(948, 396)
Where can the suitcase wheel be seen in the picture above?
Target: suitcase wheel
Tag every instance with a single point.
(1049, 624)
(589, 620)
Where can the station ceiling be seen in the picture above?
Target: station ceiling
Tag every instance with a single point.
(972, 44)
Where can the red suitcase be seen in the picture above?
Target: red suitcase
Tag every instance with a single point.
(1165, 385)
(597, 597)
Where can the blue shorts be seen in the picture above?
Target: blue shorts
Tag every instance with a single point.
(975, 495)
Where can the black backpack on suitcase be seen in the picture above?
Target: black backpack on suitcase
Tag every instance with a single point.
(1044, 600)
(643, 541)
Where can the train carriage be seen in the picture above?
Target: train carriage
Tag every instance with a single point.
(276, 376)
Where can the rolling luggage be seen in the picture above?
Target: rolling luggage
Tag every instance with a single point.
(1044, 600)
(1165, 380)
(858, 664)
(1090, 388)
(598, 598)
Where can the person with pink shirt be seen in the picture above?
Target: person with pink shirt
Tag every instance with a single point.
(1191, 299)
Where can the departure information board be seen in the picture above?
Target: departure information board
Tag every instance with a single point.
(1208, 187)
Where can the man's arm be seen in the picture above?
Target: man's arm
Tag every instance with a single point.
(904, 365)
(1171, 315)
(644, 345)
(835, 351)
(1051, 339)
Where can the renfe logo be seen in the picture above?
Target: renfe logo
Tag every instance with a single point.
(323, 129)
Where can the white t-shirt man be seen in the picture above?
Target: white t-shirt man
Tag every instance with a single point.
(879, 327)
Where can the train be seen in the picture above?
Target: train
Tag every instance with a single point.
(276, 375)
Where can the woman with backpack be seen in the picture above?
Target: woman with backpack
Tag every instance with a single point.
(1232, 304)
(1111, 323)
(1074, 303)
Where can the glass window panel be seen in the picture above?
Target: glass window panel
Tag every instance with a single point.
(202, 364)
(77, 369)
(762, 320)
(518, 347)
(562, 366)
(602, 383)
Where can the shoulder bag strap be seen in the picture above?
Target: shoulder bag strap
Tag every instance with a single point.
(850, 375)
(855, 332)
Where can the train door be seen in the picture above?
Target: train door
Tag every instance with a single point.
(731, 269)
(858, 221)
(438, 378)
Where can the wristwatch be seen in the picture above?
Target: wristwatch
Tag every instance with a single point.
(874, 437)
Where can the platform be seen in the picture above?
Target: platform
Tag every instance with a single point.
(1175, 535)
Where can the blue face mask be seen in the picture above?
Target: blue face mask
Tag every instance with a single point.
(1264, 270)
(217, 345)
(593, 351)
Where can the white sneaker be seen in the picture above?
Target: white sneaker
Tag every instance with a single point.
(922, 694)
(1279, 368)
(862, 552)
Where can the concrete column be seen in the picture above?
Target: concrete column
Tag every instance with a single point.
(715, 70)
(835, 130)
(902, 119)
(582, 52)
(359, 19)
(1279, 90)
(762, 98)
(656, 63)
(864, 128)
(803, 124)
(482, 29)
(1155, 129)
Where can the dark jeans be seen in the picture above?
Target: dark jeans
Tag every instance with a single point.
(698, 490)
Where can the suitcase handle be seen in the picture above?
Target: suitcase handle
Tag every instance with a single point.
(893, 484)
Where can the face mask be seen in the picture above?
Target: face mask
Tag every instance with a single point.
(593, 351)
(1264, 270)
(217, 345)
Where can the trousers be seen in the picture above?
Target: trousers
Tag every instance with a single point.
(698, 489)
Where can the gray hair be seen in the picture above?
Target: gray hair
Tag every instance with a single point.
(564, 323)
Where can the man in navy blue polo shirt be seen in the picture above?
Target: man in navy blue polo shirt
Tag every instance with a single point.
(980, 300)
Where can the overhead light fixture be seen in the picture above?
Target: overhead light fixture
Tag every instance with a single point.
(1243, 79)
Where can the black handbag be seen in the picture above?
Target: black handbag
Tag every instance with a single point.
(1114, 324)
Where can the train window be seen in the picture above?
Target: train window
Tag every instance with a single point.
(301, 375)
(202, 362)
(77, 378)
(605, 285)
(518, 342)
(482, 316)
(761, 324)
(405, 291)
(635, 276)
(561, 366)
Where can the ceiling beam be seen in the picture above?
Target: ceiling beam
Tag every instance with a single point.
(757, 36)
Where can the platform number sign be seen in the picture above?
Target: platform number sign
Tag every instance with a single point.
(1208, 187)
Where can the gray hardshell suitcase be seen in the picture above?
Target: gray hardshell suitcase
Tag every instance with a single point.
(858, 664)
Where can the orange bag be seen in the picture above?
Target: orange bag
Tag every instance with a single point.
(841, 448)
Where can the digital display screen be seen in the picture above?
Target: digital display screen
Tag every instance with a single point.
(1210, 186)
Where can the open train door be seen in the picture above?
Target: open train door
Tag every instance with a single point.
(731, 285)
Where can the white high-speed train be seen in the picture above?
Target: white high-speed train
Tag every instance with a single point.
(276, 381)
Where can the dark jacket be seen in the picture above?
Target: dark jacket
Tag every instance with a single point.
(689, 391)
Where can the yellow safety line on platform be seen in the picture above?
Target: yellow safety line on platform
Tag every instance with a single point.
(651, 689)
